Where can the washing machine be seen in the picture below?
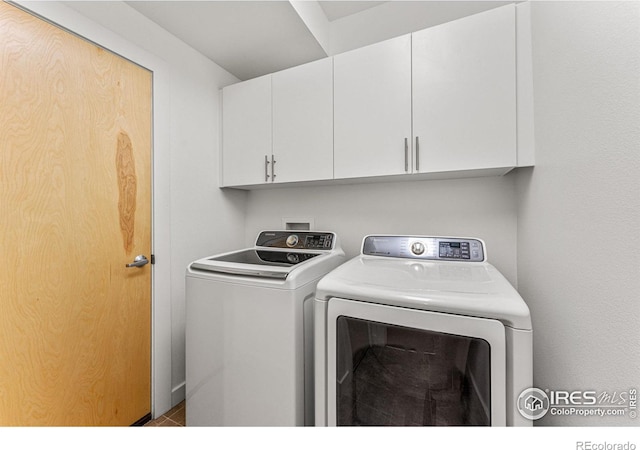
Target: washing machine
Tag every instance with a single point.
(249, 330)
(420, 331)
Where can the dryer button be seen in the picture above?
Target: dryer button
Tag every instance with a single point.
(417, 248)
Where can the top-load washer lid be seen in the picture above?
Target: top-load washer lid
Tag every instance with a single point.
(265, 257)
(425, 273)
(257, 263)
(276, 254)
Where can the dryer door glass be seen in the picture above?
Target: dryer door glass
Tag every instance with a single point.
(395, 375)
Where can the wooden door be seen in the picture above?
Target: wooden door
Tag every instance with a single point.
(372, 110)
(464, 92)
(303, 122)
(246, 132)
(75, 177)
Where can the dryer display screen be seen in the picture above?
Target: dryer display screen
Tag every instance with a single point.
(455, 250)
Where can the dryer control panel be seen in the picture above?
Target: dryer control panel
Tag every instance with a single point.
(307, 240)
(423, 247)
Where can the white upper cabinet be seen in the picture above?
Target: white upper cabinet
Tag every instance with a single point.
(437, 103)
(464, 93)
(246, 132)
(303, 122)
(372, 110)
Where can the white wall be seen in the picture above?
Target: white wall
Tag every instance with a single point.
(579, 208)
(204, 219)
(475, 207)
(192, 217)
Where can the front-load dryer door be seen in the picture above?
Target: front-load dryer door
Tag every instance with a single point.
(398, 366)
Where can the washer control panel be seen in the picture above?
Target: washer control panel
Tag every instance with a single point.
(423, 247)
(307, 240)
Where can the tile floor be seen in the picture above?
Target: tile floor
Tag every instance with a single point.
(173, 418)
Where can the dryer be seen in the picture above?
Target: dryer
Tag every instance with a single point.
(420, 330)
(249, 330)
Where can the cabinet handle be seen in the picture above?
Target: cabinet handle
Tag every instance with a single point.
(406, 154)
(273, 168)
(266, 168)
(417, 154)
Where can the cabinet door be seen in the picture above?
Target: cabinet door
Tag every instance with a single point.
(246, 131)
(372, 111)
(303, 122)
(464, 93)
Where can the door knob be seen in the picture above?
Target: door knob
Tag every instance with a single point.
(139, 261)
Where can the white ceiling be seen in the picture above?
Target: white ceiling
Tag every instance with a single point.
(253, 38)
(338, 9)
(247, 38)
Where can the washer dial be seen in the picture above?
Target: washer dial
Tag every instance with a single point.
(292, 240)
